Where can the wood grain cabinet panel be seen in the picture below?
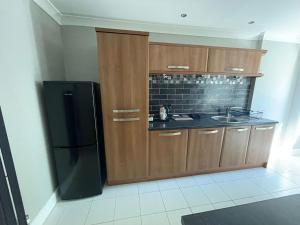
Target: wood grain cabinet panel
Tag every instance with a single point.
(204, 149)
(123, 60)
(237, 61)
(168, 150)
(177, 58)
(260, 142)
(235, 145)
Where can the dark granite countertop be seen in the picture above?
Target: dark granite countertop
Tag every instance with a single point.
(204, 123)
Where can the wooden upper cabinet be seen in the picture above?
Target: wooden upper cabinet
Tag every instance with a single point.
(204, 149)
(260, 144)
(235, 146)
(236, 61)
(123, 68)
(172, 58)
(168, 150)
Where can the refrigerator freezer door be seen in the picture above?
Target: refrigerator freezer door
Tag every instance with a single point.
(71, 114)
(78, 172)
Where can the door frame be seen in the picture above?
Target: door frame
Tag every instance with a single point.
(11, 204)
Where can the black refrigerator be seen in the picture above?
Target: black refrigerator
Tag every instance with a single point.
(76, 135)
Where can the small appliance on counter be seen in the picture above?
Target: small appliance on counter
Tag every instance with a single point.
(76, 134)
(163, 112)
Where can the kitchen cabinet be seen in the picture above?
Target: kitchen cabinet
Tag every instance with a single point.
(164, 58)
(235, 146)
(204, 149)
(236, 61)
(260, 144)
(123, 68)
(168, 150)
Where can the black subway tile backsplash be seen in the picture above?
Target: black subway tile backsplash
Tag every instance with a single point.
(198, 93)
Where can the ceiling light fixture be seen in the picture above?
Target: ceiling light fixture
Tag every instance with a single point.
(183, 15)
(251, 22)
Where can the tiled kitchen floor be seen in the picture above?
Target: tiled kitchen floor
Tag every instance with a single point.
(164, 202)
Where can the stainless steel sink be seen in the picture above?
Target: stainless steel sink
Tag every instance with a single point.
(226, 119)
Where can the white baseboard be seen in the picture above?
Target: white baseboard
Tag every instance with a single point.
(46, 210)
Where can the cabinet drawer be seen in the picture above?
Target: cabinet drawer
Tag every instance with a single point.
(236, 61)
(260, 142)
(177, 58)
(168, 150)
(235, 146)
(204, 149)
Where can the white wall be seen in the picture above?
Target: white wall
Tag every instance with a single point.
(31, 51)
(275, 90)
(80, 53)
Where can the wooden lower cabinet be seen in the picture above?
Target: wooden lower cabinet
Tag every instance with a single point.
(168, 150)
(260, 144)
(235, 146)
(204, 149)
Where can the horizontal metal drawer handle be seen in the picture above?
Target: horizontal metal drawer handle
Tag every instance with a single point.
(169, 134)
(264, 128)
(179, 67)
(125, 110)
(126, 119)
(235, 69)
(239, 129)
(242, 129)
(208, 132)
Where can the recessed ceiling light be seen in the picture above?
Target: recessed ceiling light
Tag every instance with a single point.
(251, 22)
(183, 15)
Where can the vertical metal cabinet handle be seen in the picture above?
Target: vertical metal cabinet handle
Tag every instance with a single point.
(125, 110)
(126, 119)
(264, 128)
(170, 134)
(235, 69)
(208, 132)
(178, 67)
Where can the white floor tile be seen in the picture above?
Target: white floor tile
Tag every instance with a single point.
(214, 193)
(241, 189)
(203, 179)
(127, 207)
(155, 219)
(286, 193)
(194, 196)
(173, 199)
(129, 221)
(108, 192)
(186, 182)
(244, 201)
(102, 210)
(126, 190)
(227, 176)
(274, 183)
(202, 208)
(175, 216)
(146, 187)
(151, 203)
(75, 212)
(221, 205)
(55, 215)
(167, 184)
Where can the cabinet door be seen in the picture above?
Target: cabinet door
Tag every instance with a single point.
(260, 144)
(123, 60)
(173, 58)
(235, 146)
(204, 149)
(238, 61)
(168, 151)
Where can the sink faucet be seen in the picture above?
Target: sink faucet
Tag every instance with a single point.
(229, 109)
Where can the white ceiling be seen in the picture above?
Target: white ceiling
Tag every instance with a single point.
(280, 19)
